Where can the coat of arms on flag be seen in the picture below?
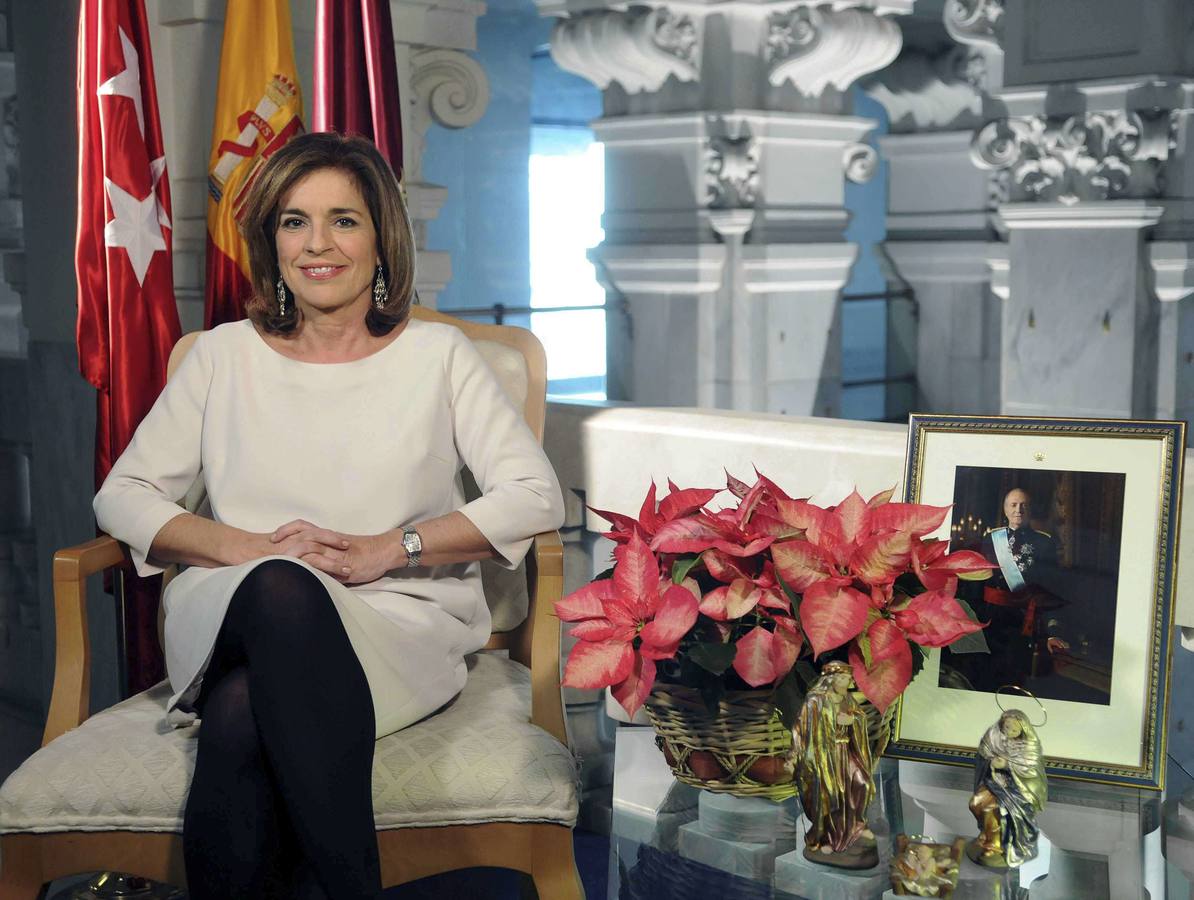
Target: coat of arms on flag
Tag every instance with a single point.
(259, 108)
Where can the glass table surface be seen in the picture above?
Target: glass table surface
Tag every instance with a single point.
(670, 841)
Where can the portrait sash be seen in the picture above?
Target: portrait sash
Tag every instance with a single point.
(1007, 565)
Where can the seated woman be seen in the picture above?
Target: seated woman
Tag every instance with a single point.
(333, 594)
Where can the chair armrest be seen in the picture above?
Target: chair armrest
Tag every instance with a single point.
(70, 703)
(541, 634)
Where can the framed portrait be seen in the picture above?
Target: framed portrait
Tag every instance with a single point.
(1079, 519)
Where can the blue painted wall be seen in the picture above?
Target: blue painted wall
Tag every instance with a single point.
(484, 223)
(864, 323)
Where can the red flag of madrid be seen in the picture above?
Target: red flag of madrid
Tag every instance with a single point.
(128, 321)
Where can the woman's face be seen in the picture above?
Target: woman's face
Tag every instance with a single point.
(326, 243)
(1012, 727)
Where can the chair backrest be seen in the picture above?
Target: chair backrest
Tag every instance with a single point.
(520, 365)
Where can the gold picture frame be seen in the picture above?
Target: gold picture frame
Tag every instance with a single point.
(1083, 618)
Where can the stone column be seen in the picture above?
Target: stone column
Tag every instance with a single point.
(728, 141)
(1173, 283)
(940, 235)
(438, 83)
(1091, 144)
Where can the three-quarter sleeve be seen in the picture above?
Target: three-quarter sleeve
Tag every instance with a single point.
(520, 495)
(160, 464)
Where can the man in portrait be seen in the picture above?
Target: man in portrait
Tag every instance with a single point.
(1018, 599)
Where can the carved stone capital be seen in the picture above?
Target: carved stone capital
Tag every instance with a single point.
(451, 88)
(732, 172)
(1095, 156)
(818, 47)
(975, 21)
(638, 48)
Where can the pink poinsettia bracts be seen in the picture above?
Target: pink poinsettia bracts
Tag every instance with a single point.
(845, 567)
(625, 624)
(761, 581)
(678, 504)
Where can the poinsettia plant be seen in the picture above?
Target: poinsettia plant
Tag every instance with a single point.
(761, 593)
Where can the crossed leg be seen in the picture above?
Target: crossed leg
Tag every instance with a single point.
(283, 776)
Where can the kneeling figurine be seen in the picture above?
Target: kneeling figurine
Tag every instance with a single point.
(832, 759)
(921, 868)
(1010, 789)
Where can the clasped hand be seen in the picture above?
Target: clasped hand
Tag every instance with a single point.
(349, 558)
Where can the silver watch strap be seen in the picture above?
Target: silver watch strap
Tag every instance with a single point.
(413, 544)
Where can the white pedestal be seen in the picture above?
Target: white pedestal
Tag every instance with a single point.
(740, 835)
(796, 875)
(753, 861)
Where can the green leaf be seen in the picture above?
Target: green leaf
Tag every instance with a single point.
(711, 693)
(602, 576)
(918, 660)
(682, 566)
(807, 673)
(793, 597)
(713, 657)
(788, 698)
(975, 642)
(711, 687)
(864, 646)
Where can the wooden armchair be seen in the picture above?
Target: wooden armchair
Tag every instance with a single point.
(488, 781)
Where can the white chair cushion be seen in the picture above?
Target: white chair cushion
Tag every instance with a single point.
(478, 760)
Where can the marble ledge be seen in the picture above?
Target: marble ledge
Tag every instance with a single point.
(764, 126)
(624, 449)
(576, 7)
(1109, 214)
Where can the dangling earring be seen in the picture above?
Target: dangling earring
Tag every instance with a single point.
(281, 296)
(379, 289)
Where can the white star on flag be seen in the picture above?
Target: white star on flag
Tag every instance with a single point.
(128, 82)
(137, 224)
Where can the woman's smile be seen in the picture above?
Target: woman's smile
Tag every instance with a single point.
(322, 272)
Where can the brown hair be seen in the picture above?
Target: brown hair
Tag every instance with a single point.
(359, 160)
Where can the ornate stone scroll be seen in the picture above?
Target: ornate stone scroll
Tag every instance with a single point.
(975, 21)
(637, 48)
(814, 48)
(1104, 155)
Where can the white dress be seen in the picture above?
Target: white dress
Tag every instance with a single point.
(360, 447)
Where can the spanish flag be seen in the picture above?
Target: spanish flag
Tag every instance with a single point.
(259, 107)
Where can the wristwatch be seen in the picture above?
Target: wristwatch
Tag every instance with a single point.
(413, 545)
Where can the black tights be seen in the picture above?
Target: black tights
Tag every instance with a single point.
(281, 803)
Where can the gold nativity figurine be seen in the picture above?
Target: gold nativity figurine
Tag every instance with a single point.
(925, 869)
(1010, 790)
(832, 758)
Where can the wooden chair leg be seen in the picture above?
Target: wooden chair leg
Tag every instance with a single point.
(554, 866)
(21, 875)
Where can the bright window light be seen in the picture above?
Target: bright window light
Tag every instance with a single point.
(567, 194)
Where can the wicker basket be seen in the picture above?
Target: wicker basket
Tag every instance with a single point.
(741, 749)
